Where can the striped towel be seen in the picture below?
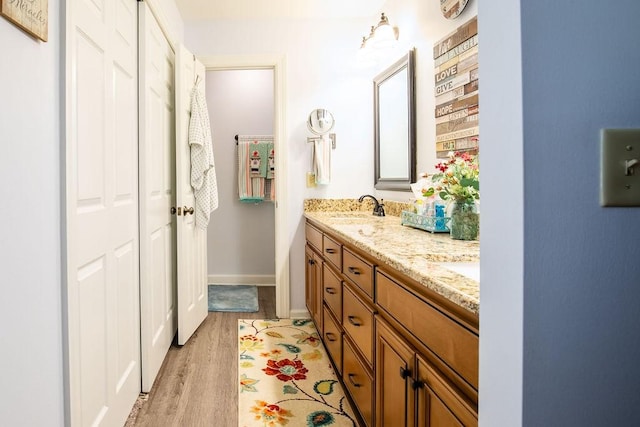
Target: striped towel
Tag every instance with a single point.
(255, 168)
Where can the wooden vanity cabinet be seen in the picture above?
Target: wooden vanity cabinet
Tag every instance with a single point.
(406, 355)
(410, 391)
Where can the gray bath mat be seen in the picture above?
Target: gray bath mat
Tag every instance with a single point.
(233, 298)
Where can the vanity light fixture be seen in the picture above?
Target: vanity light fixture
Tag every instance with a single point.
(382, 37)
(366, 55)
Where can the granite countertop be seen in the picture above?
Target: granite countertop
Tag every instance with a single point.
(446, 266)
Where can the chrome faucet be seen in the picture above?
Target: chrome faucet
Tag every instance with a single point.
(378, 209)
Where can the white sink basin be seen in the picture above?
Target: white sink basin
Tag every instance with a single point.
(466, 269)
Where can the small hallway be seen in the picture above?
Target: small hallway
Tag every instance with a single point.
(198, 383)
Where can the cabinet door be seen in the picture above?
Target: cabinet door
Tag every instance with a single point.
(395, 402)
(313, 285)
(440, 404)
(318, 291)
(309, 280)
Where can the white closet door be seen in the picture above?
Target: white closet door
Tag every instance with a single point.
(102, 211)
(192, 242)
(157, 194)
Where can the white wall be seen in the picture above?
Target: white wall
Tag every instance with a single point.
(501, 227)
(322, 72)
(241, 236)
(30, 256)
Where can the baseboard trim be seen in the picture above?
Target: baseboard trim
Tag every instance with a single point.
(258, 280)
(299, 314)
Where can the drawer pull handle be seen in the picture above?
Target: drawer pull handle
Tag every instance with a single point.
(331, 291)
(352, 320)
(353, 383)
(311, 262)
(354, 270)
(331, 337)
(404, 372)
(330, 251)
(417, 384)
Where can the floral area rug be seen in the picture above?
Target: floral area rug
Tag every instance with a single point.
(286, 377)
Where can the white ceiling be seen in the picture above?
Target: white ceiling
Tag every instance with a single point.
(206, 10)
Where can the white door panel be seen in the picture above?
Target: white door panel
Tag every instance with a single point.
(102, 211)
(157, 176)
(191, 241)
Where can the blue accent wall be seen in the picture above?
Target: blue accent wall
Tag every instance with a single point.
(581, 354)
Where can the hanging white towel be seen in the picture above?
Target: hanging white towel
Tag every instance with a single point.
(203, 171)
(322, 159)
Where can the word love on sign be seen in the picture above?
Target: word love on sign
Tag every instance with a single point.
(30, 15)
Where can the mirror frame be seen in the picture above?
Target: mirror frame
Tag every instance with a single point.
(399, 184)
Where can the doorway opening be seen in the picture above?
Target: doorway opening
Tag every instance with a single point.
(259, 69)
(240, 236)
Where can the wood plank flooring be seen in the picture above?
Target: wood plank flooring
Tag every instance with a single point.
(197, 383)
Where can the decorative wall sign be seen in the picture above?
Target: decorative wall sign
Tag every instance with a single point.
(30, 15)
(451, 9)
(456, 90)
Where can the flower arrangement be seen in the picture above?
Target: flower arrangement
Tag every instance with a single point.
(457, 179)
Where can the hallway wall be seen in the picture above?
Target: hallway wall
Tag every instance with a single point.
(241, 236)
(30, 256)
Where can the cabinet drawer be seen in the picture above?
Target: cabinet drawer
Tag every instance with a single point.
(332, 251)
(451, 342)
(357, 321)
(314, 237)
(332, 291)
(358, 270)
(333, 339)
(358, 382)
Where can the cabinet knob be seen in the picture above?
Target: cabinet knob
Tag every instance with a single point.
(331, 291)
(404, 372)
(353, 383)
(311, 262)
(330, 251)
(331, 337)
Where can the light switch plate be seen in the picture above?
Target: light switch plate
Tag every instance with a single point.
(619, 183)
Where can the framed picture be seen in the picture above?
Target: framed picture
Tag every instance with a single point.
(30, 15)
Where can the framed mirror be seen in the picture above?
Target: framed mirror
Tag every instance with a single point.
(394, 128)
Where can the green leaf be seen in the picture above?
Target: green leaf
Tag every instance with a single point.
(324, 387)
(287, 389)
(291, 348)
(428, 193)
(275, 334)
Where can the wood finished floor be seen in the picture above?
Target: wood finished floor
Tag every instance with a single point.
(197, 383)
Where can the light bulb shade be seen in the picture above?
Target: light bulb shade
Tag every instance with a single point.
(384, 36)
